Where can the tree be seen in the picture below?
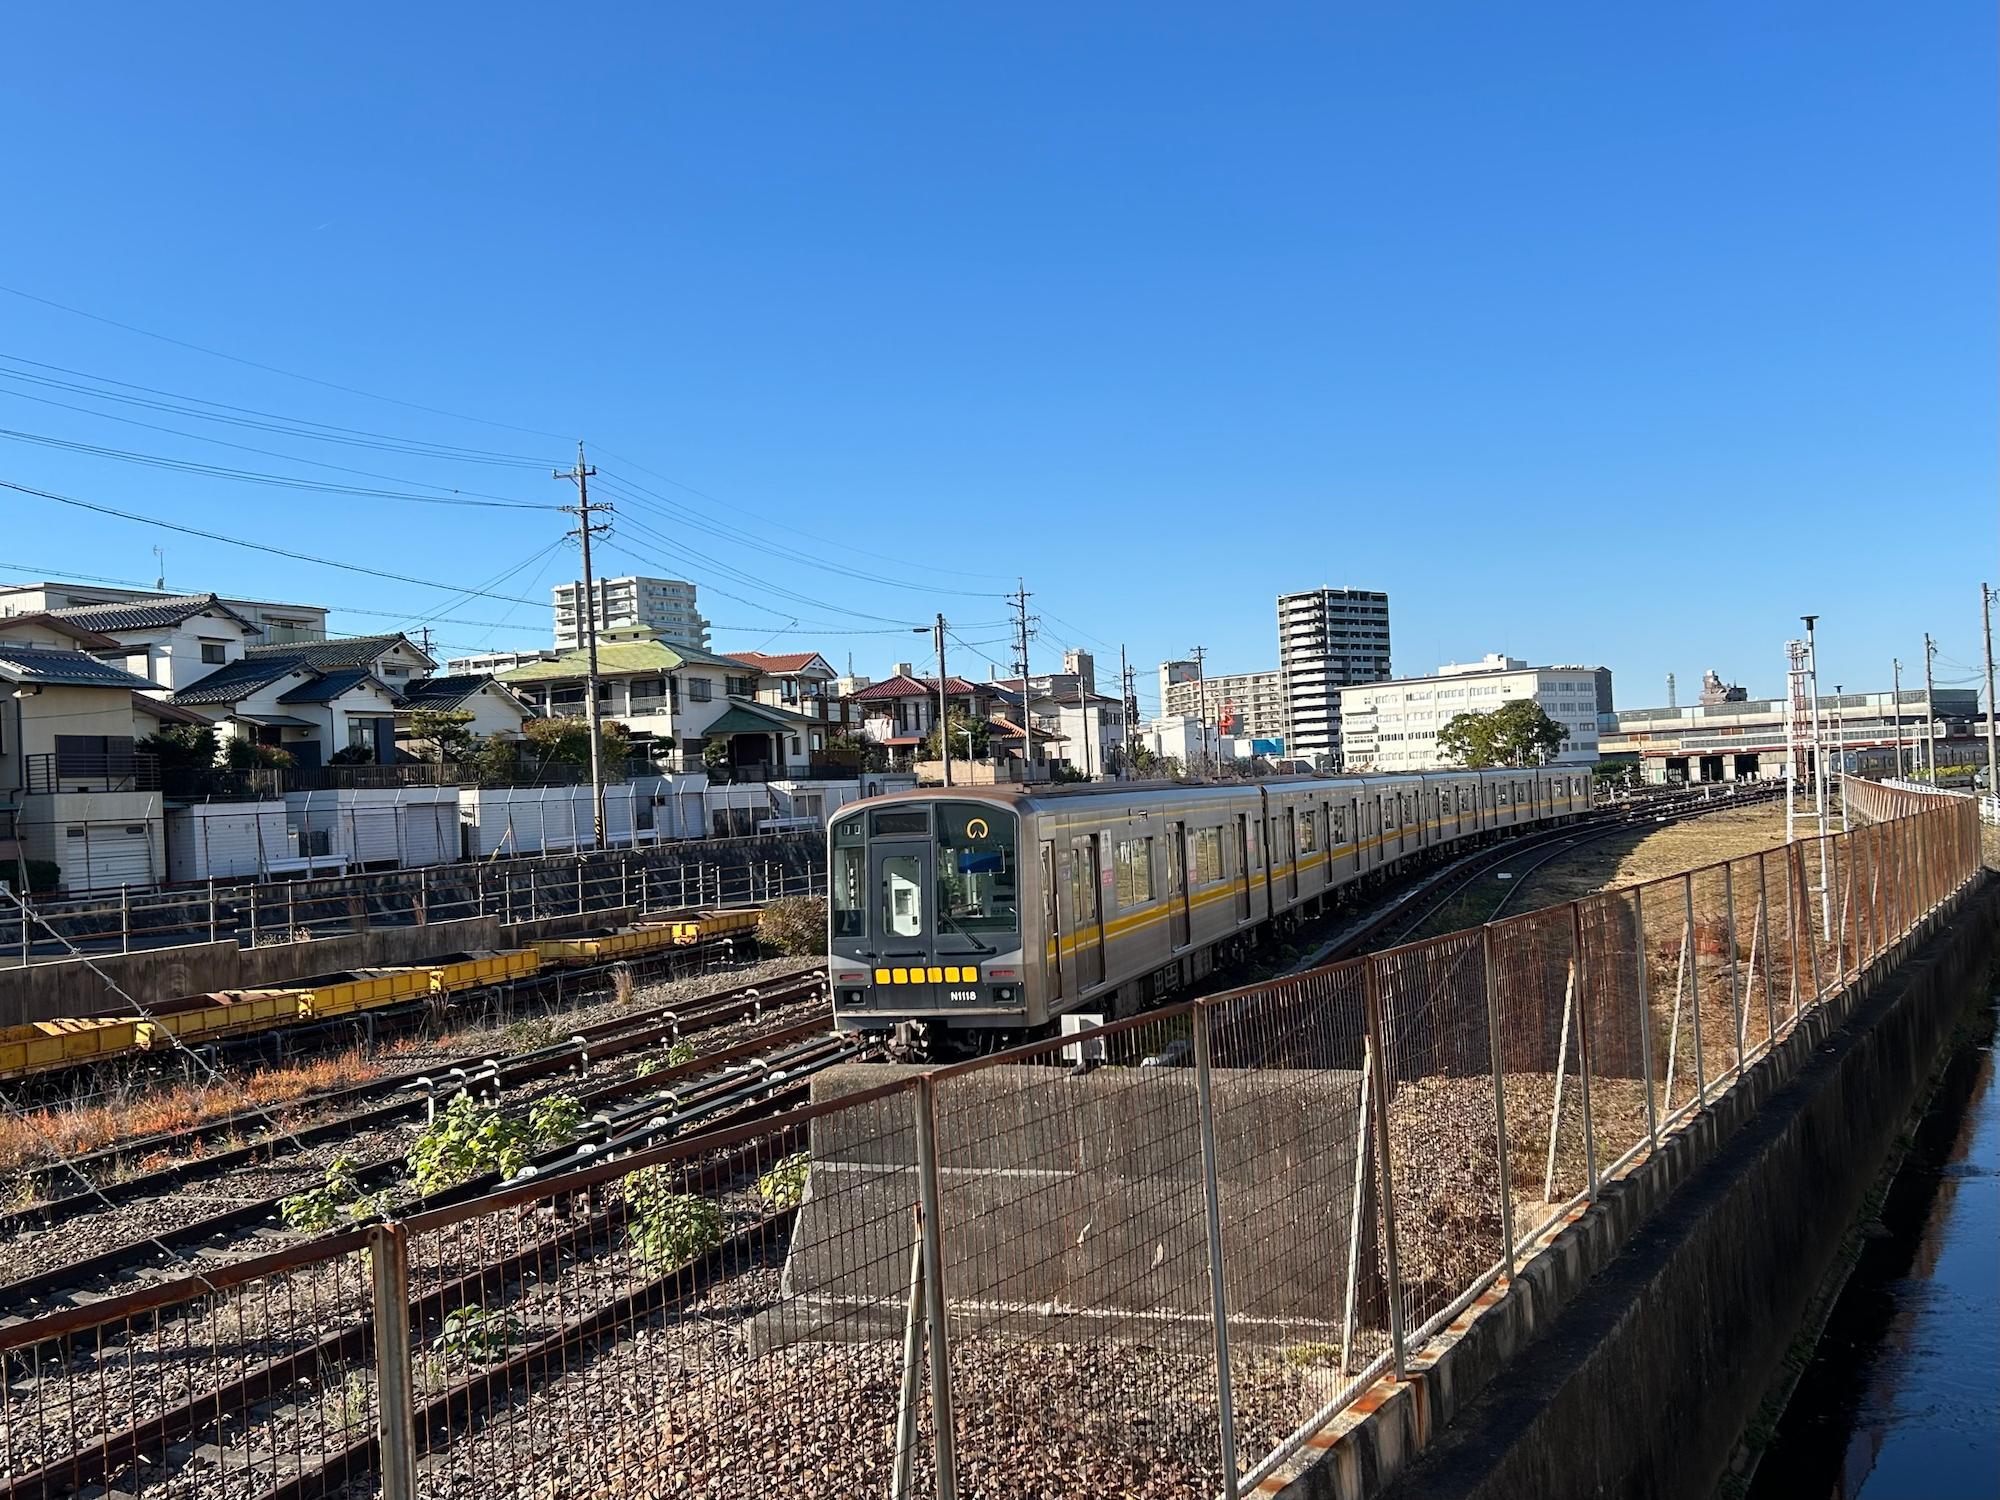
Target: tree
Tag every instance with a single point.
(865, 752)
(1616, 773)
(567, 740)
(241, 754)
(1515, 734)
(715, 758)
(182, 747)
(960, 725)
(443, 733)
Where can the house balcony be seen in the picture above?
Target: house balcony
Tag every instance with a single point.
(120, 770)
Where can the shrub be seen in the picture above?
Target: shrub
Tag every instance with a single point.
(793, 925)
(339, 1197)
(669, 1228)
(468, 1138)
(476, 1333)
(784, 1186)
(555, 1119)
(44, 875)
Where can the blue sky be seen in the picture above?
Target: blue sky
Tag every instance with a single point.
(1591, 333)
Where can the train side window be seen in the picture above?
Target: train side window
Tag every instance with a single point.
(1207, 855)
(1308, 832)
(1135, 873)
(849, 883)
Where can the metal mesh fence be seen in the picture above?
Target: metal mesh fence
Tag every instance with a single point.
(1152, 1257)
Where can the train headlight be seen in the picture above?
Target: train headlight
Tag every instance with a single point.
(1003, 994)
(853, 998)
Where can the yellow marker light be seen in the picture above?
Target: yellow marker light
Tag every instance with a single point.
(881, 976)
(937, 974)
(900, 976)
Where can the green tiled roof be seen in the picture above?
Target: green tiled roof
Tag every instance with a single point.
(744, 717)
(623, 658)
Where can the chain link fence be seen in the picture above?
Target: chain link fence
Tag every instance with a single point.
(1154, 1257)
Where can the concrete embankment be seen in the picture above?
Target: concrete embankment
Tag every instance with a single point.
(1628, 1356)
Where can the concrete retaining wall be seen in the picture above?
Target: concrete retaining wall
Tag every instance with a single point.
(1635, 1348)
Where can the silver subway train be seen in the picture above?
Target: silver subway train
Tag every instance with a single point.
(992, 911)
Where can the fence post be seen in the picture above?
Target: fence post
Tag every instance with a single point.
(579, 885)
(1735, 979)
(389, 1258)
(252, 889)
(1583, 1049)
(1372, 1013)
(943, 1437)
(211, 908)
(1770, 946)
(21, 901)
(1211, 1190)
(1499, 1095)
(624, 878)
(1798, 855)
(1645, 1018)
(124, 917)
(423, 897)
(1694, 995)
(534, 897)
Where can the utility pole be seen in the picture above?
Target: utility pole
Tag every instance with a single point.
(1126, 704)
(1021, 669)
(581, 475)
(1992, 734)
(1818, 735)
(1201, 713)
(1930, 709)
(944, 702)
(1083, 717)
(1896, 700)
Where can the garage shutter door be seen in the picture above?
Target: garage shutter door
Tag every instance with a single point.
(104, 856)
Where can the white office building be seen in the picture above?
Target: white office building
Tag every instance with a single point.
(1393, 726)
(1251, 705)
(664, 608)
(1327, 639)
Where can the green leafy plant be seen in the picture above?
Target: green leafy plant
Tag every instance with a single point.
(339, 1197)
(477, 1333)
(784, 1186)
(793, 925)
(555, 1119)
(468, 1138)
(1519, 733)
(669, 1227)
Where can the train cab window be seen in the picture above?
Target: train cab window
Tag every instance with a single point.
(1135, 873)
(901, 823)
(978, 884)
(848, 880)
(1308, 832)
(902, 894)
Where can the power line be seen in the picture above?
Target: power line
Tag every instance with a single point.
(251, 476)
(278, 422)
(332, 385)
(212, 536)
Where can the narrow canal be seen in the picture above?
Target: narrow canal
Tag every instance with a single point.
(1902, 1396)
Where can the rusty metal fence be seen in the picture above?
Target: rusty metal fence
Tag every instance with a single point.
(1156, 1257)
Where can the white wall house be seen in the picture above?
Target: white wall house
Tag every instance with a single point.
(495, 707)
(312, 701)
(1393, 726)
(75, 790)
(270, 622)
(175, 641)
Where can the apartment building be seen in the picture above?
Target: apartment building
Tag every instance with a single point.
(1327, 639)
(1393, 725)
(629, 608)
(1247, 705)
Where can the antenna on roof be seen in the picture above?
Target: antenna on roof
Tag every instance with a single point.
(160, 557)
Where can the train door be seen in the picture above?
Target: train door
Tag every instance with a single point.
(1290, 853)
(1052, 923)
(899, 869)
(1177, 884)
(1243, 867)
(1086, 911)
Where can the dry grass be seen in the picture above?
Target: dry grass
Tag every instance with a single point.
(1649, 853)
(36, 1137)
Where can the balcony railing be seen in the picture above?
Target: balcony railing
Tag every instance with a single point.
(93, 771)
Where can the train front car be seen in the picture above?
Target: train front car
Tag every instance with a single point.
(924, 920)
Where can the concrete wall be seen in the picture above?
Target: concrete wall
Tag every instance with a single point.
(1629, 1355)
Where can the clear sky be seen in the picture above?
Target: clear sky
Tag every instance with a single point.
(1592, 333)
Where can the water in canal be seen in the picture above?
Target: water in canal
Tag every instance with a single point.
(1902, 1398)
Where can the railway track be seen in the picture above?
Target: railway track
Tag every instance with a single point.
(404, 1094)
(743, 1082)
(760, 1072)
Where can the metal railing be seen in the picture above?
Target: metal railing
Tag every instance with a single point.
(254, 913)
(1174, 1246)
(92, 771)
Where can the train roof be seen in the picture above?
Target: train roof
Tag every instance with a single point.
(1012, 794)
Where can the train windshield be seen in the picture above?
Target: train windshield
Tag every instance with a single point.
(977, 878)
(848, 880)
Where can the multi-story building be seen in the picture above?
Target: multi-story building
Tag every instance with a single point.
(268, 624)
(1393, 725)
(1327, 639)
(1743, 739)
(493, 663)
(1246, 705)
(663, 608)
